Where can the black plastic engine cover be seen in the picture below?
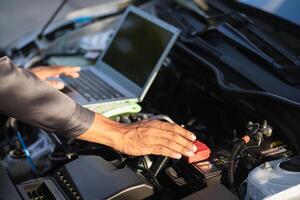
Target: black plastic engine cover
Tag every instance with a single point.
(7, 189)
(214, 192)
(93, 178)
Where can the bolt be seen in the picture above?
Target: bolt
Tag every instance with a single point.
(267, 166)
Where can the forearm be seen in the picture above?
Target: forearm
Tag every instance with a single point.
(27, 98)
(104, 131)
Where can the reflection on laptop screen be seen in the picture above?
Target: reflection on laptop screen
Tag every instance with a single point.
(137, 48)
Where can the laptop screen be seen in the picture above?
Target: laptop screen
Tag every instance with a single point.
(136, 48)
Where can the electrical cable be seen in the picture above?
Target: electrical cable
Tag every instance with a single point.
(26, 151)
(251, 131)
(148, 172)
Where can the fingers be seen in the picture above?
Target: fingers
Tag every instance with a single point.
(55, 71)
(67, 70)
(56, 84)
(183, 142)
(173, 128)
(165, 151)
(174, 146)
(171, 136)
(72, 74)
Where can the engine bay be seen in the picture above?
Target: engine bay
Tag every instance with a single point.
(252, 139)
(73, 169)
(66, 169)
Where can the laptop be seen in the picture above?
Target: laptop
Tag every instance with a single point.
(129, 64)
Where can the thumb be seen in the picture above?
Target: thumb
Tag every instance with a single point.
(59, 85)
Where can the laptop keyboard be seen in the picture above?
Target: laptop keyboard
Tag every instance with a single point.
(92, 87)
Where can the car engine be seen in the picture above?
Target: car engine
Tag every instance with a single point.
(71, 169)
(252, 137)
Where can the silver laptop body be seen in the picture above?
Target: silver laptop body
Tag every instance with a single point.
(140, 39)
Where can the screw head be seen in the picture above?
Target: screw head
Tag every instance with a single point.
(267, 165)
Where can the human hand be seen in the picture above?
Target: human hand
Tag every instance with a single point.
(156, 137)
(44, 73)
(142, 138)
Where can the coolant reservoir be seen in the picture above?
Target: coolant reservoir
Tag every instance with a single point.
(272, 178)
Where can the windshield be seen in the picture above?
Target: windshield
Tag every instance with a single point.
(18, 18)
(286, 9)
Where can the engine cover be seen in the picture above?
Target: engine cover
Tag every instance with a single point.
(270, 178)
(88, 178)
(94, 178)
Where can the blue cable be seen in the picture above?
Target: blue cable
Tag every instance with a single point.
(26, 151)
(83, 19)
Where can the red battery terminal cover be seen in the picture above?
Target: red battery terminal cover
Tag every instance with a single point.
(202, 153)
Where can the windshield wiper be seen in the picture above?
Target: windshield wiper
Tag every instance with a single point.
(227, 31)
(190, 5)
(248, 24)
(273, 54)
(243, 42)
(283, 51)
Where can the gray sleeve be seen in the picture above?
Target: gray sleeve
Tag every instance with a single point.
(27, 98)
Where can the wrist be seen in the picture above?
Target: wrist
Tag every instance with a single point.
(105, 131)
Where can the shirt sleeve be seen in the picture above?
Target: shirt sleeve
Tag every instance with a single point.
(27, 98)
